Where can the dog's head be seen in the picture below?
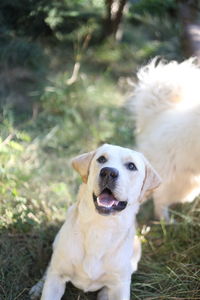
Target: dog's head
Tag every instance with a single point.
(115, 177)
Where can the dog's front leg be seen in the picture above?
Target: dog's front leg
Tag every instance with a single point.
(54, 287)
(121, 291)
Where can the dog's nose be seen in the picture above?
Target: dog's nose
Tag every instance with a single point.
(109, 173)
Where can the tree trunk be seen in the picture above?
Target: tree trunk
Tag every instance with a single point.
(114, 14)
(188, 14)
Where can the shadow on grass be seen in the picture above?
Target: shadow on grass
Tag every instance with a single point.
(24, 258)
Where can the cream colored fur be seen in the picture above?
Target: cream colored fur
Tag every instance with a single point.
(94, 251)
(166, 106)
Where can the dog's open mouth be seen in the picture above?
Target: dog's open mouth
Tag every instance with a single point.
(106, 203)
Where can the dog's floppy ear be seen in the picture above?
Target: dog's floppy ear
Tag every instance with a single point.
(81, 164)
(151, 181)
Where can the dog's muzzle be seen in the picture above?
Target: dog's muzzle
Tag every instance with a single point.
(106, 203)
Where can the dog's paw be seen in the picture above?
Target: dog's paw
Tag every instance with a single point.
(36, 291)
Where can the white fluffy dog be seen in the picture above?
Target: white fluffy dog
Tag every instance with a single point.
(97, 247)
(166, 105)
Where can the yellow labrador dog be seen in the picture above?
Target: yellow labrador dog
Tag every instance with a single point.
(97, 248)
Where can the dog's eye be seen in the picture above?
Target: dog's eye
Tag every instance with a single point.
(131, 166)
(102, 159)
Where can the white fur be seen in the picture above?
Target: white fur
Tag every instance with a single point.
(95, 251)
(166, 106)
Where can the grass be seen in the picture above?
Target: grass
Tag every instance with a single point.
(169, 268)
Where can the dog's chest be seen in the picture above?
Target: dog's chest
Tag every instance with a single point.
(99, 257)
(94, 253)
(96, 246)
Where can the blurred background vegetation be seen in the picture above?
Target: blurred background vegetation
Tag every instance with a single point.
(66, 71)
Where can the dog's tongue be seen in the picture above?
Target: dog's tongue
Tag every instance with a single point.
(106, 199)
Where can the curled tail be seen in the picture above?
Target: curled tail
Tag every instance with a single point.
(163, 86)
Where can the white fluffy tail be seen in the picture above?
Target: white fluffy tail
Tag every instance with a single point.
(163, 86)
